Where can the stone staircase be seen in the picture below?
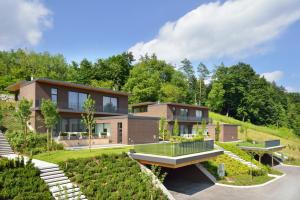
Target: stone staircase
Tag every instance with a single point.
(5, 148)
(59, 184)
(236, 157)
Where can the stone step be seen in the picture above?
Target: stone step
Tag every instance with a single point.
(53, 176)
(51, 173)
(55, 189)
(64, 191)
(49, 169)
(68, 196)
(53, 180)
(58, 183)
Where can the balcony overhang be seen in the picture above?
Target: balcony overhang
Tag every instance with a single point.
(175, 162)
(262, 149)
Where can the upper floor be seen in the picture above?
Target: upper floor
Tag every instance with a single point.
(69, 97)
(171, 111)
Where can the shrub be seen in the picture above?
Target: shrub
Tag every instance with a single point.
(36, 143)
(21, 182)
(258, 172)
(113, 176)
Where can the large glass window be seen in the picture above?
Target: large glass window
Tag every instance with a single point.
(54, 95)
(110, 104)
(198, 114)
(103, 129)
(183, 113)
(140, 109)
(72, 125)
(76, 100)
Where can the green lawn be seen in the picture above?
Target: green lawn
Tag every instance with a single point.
(63, 155)
(249, 144)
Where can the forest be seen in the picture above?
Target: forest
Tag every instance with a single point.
(237, 91)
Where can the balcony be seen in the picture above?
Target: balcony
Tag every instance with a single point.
(189, 118)
(175, 155)
(175, 149)
(65, 106)
(268, 145)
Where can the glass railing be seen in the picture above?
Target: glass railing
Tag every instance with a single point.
(189, 118)
(175, 149)
(260, 144)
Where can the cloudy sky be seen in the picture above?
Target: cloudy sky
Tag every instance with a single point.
(263, 33)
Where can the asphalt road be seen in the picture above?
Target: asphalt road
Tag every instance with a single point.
(192, 184)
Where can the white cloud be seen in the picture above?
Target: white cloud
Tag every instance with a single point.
(291, 89)
(272, 76)
(234, 28)
(22, 23)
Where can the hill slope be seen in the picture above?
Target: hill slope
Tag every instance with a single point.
(261, 133)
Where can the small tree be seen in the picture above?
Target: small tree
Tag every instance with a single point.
(51, 116)
(88, 118)
(162, 128)
(203, 126)
(242, 131)
(218, 130)
(176, 128)
(23, 112)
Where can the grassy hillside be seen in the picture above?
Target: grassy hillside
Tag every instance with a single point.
(261, 133)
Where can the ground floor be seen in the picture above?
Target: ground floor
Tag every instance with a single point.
(190, 183)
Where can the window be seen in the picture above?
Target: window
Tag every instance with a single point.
(183, 113)
(54, 95)
(72, 125)
(102, 129)
(198, 114)
(110, 104)
(76, 100)
(140, 109)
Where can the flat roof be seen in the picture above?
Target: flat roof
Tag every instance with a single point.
(175, 162)
(167, 103)
(263, 149)
(129, 116)
(16, 86)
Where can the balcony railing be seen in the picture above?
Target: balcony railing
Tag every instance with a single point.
(77, 108)
(263, 144)
(189, 118)
(175, 149)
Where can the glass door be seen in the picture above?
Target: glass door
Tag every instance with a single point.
(120, 135)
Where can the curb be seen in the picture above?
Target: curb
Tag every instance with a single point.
(276, 177)
(287, 165)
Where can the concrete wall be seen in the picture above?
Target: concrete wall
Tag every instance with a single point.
(211, 131)
(157, 110)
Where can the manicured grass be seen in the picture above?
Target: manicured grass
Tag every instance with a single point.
(249, 144)
(245, 179)
(114, 176)
(292, 162)
(63, 155)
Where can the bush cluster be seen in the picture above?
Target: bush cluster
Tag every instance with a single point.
(21, 182)
(178, 139)
(111, 177)
(36, 143)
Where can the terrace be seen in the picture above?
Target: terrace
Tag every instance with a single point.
(264, 146)
(175, 155)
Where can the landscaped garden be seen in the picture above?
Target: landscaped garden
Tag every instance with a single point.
(236, 173)
(114, 176)
(21, 182)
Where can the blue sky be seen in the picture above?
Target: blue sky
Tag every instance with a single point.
(265, 35)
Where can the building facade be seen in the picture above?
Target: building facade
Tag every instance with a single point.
(69, 98)
(188, 116)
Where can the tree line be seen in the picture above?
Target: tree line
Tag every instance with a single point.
(237, 91)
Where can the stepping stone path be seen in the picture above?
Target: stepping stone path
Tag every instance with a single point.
(236, 157)
(59, 185)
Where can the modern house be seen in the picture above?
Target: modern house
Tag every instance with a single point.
(187, 115)
(228, 132)
(69, 98)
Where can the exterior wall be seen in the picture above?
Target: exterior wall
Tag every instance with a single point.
(191, 111)
(211, 131)
(229, 132)
(143, 131)
(156, 110)
(114, 129)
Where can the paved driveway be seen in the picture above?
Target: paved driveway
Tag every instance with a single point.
(286, 188)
